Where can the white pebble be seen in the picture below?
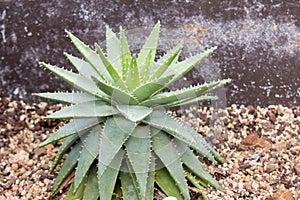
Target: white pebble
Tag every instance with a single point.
(170, 198)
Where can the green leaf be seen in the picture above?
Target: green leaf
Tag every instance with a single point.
(134, 113)
(132, 78)
(128, 182)
(91, 188)
(164, 149)
(118, 95)
(147, 64)
(181, 68)
(107, 179)
(91, 56)
(149, 89)
(204, 196)
(78, 194)
(84, 110)
(116, 131)
(138, 148)
(113, 49)
(184, 94)
(195, 181)
(90, 148)
(164, 62)
(110, 68)
(191, 101)
(67, 143)
(68, 165)
(78, 81)
(68, 97)
(117, 195)
(125, 54)
(129, 191)
(179, 130)
(82, 66)
(150, 180)
(69, 195)
(193, 163)
(75, 126)
(147, 54)
(167, 183)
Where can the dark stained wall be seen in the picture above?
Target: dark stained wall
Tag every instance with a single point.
(258, 41)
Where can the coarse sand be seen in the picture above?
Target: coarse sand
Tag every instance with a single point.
(261, 146)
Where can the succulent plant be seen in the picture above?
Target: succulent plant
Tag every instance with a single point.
(120, 140)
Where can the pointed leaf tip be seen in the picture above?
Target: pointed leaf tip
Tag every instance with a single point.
(147, 54)
(134, 113)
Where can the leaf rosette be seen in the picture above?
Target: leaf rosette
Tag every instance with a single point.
(120, 140)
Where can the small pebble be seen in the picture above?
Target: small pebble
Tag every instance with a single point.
(24, 168)
(297, 168)
(2, 198)
(170, 198)
(30, 163)
(273, 133)
(14, 166)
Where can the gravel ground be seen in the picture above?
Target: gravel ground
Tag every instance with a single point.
(261, 145)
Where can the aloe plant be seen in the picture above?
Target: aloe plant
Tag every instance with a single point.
(120, 141)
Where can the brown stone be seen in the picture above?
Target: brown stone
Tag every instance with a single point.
(271, 167)
(14, 167)
(282, 195)
(297, 168)
(254, 140)
(272, 116)
(235, 170)
(248, 187)
(280, 146)
(252, 110)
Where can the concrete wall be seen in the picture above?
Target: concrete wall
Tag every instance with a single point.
(258, 41)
